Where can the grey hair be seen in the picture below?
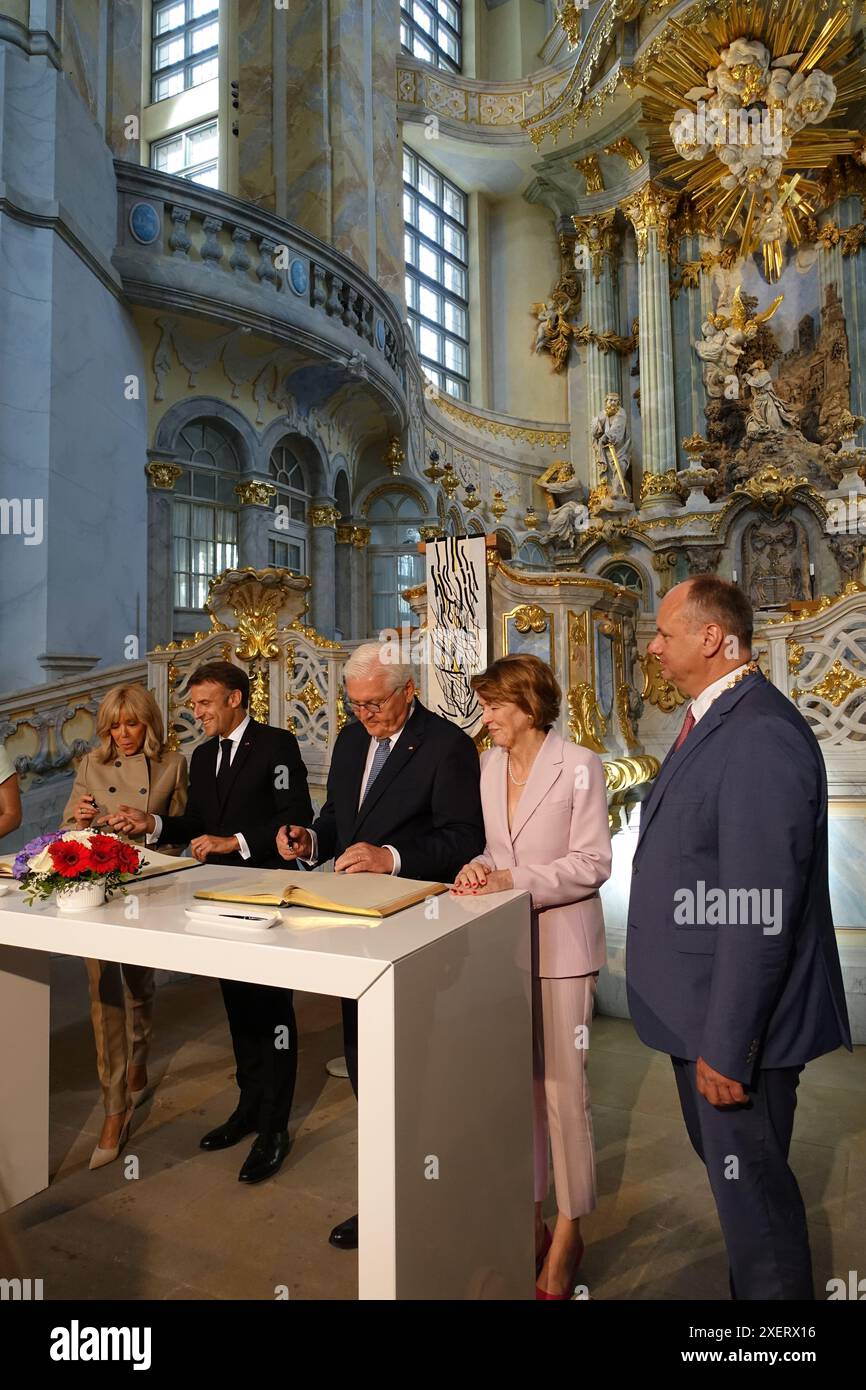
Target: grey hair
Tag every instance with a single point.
(371, 658)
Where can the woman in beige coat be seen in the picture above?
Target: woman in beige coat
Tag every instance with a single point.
(130, 767)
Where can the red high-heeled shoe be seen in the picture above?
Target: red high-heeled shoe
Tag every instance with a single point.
(542, 1294)
(545, 1246)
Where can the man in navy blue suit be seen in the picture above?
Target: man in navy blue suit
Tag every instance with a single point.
(732, 964)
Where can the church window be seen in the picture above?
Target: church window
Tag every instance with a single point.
(435, 215)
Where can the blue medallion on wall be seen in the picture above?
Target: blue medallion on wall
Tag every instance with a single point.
(380, 334)
(144, 223)
(298, 277)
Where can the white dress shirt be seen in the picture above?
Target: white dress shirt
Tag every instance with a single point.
(702, 702)
(371, 753)
(235, 739)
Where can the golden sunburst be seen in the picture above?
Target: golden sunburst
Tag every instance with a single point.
(794, 65)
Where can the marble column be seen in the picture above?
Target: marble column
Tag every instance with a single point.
(649, 212)
(597, 253)
(255, 517)
(360, 610)
(323, 565)
(343, 562)
(161, 477)
(849, 275)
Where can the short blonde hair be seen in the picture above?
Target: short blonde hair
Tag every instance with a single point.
(522, 680)
(136, 704)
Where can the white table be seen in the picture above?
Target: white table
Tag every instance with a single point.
(445, 1062)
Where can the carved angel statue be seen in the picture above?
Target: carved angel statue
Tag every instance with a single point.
(613, 447)
(768, 413)
(555, 328)
(725, 337)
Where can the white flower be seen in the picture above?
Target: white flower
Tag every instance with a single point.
(40, 863)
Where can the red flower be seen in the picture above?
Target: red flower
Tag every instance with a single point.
(104, 853)
(70, 858)
(129, 859)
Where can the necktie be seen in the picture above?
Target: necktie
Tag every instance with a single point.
(379, 758)
(688, 725)
(224, 767)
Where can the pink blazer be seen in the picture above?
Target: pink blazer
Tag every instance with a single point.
(558, 848)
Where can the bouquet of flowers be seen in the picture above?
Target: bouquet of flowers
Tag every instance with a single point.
(73, 858)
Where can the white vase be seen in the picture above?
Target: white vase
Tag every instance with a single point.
(78, 897)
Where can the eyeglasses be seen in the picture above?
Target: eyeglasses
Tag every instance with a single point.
(371, 706)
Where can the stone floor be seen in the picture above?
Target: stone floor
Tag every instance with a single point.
(185, 1229)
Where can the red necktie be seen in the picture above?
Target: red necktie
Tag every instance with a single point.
(688, 725)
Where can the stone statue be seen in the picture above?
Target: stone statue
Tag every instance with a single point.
(768, 413)
(613, 447)
(571, 518)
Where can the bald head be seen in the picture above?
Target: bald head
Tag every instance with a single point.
(703, 631)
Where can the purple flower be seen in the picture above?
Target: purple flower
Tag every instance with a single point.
(30, 850)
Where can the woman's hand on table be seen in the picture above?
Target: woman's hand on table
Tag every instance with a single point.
(477, 878)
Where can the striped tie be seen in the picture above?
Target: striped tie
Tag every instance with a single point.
(379, 760)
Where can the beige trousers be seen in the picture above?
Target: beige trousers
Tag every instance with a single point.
(561, 1019)
(121, 1009)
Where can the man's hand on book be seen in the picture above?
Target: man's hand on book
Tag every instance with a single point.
(365, 859)
(294, 842)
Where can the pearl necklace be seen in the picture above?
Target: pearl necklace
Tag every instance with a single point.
(513, 778)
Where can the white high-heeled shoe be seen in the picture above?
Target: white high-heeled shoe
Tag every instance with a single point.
(100, 1157)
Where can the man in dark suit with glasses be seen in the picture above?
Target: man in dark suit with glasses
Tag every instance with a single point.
(403, 798)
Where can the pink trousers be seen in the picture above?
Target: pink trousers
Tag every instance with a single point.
(561, 1019)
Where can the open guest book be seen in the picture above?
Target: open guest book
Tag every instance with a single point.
(358, 895)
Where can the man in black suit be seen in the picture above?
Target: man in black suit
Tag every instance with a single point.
(403, 798)
(244, 781)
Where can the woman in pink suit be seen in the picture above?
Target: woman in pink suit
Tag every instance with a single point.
(545, 817)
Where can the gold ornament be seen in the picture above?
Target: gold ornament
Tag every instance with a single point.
(771, 490)
(591, 170)
(658, 691)
(163, 475)
(836, 685)
(586, 723)
(394, 455)
(530, 618)
(530, 519)
(255, 493)
(628, 151)
(324, 516)
(449, 481)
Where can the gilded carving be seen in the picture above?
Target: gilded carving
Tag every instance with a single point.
(255, 493)
(586, 723)
(658, 691)
(163, 475)
(835, 685)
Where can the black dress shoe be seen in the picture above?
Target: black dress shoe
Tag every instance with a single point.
(266, 1156)
(345, 1236)
(224, 1136)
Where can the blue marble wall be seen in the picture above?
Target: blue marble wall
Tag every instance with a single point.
(70, 439)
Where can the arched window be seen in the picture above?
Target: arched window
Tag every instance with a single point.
(531, 556)
(205, 512)
(394, 519)
(626, 576)
(288, 535)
